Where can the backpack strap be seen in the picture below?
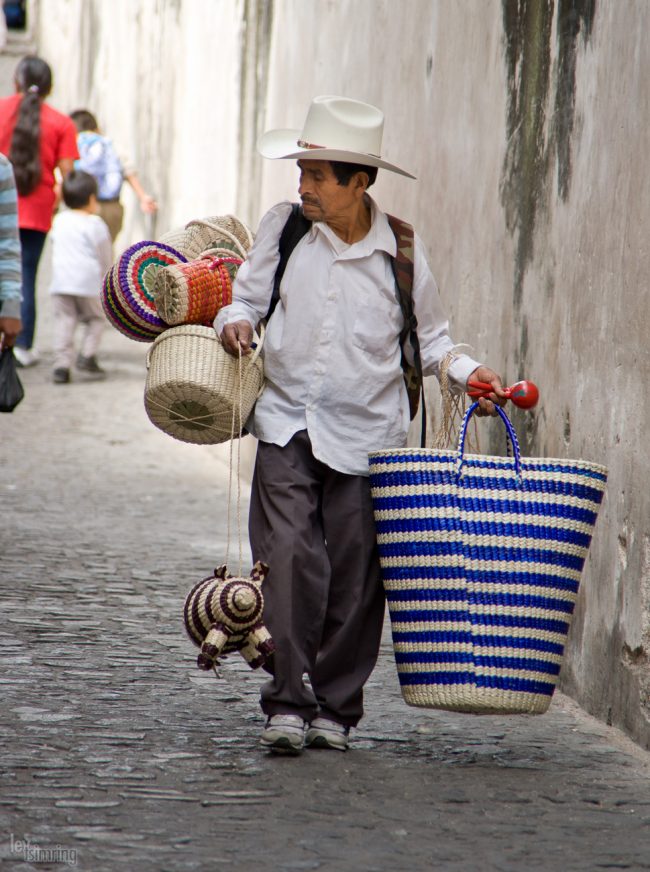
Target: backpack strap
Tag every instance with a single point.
(293, 231)
(402, 265)
(298, 226)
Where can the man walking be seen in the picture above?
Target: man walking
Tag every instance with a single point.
(334, 392)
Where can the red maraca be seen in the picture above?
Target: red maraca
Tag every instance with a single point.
(523, 393)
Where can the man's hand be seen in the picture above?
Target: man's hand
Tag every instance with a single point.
(9, 330)
(498, 396)
(237, 335)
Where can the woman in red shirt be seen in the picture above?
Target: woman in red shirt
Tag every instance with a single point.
(36, 139)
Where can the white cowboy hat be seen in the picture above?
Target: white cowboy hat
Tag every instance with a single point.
(336, 128)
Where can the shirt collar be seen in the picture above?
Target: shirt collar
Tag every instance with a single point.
(379, 238)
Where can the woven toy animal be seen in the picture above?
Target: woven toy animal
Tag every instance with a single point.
(223, 613)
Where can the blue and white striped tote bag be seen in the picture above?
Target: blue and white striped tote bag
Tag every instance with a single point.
(481, 559)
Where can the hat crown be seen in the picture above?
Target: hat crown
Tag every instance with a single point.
(345, 124)
(336, 128)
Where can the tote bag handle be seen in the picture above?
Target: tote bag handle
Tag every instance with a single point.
(510, 430)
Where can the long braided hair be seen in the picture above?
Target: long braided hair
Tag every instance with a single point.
(34, 82)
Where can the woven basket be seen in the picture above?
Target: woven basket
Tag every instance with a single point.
(481, 559)
(217, 232)
(127, 291)
(193, 293)
(177, 238)
(119, 317)
(193, 385)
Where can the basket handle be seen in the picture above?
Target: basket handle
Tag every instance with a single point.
(510, 430)
(256, 352)
(218, 255)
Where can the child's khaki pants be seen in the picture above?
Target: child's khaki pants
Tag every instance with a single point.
(69, 311)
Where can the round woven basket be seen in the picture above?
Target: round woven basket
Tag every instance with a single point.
(193, 293)
(117, 315)
(121, 315)
(127, 290)
(220, 231)
(193, 385)
(178, 238)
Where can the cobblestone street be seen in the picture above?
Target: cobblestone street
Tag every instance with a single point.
(119, 754)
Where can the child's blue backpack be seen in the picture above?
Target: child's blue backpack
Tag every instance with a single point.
(99, 158)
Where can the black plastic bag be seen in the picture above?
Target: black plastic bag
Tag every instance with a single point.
(11, 389)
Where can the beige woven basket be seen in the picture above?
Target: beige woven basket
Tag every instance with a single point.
(193, 385)
(178, 238)
(217, 232)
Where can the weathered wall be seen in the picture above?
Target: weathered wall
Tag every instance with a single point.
(526, 123)
(163, 78)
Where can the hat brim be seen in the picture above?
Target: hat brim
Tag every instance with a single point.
(281, 144)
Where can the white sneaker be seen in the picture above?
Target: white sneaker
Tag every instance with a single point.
(284, 734)
(26, 356)
(323, 733)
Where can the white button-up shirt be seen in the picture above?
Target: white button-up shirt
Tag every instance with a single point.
(331, 350)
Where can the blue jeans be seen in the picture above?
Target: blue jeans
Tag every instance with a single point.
(31, 248)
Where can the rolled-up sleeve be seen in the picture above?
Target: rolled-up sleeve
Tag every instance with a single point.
(253, 285)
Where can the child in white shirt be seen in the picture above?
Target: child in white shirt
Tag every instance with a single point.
(81, 256)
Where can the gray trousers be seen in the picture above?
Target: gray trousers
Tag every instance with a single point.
(69, 311)
(323, 596)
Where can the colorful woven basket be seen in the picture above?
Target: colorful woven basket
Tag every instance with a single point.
(118, 315)
(481, 559)
(195, 391)
(193, 293)
(127, 292)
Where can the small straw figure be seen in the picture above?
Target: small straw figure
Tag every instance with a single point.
(223, 613)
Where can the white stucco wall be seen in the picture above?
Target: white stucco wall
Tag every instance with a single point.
(535, 221)
(163, 79)
(574, 317)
